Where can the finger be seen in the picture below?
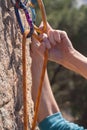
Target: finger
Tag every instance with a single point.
(35, 45)
(57, 36)
(41, 48)
(64, 37)
(49, 27)
(46, 40)
(51, 37)
(41, 25)
(46, 43)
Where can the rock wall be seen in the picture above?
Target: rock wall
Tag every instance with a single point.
(11, 101)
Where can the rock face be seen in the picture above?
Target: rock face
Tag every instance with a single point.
(11, 94)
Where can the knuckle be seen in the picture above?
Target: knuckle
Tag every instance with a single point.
(64, 33)
(50, 32)
(56, 32)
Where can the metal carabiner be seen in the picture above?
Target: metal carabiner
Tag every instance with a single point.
(19, 5)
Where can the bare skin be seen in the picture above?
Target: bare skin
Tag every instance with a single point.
(60, 51)
(48, 105)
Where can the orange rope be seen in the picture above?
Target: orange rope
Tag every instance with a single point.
(25, 109)
(44, 65)
(42, 73)
(40, 90)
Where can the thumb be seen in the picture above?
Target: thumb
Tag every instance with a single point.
(48, 26)
(41, 26)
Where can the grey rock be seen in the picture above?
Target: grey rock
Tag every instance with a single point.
(11, 93)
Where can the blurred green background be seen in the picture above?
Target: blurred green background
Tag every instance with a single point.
(69, 88)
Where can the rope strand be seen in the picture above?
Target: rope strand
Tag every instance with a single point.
(17, 5)
(41, 5)
(25, 108)
(40, 89)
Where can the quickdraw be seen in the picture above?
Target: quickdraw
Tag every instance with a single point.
(18, 4)
(22, 5)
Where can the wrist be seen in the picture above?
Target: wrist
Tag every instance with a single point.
(69, 57)
(77, 62)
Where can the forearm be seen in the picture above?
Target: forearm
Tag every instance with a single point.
(77, 62)
(37, 64)
(48, 105)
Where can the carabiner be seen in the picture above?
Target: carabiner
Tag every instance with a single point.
(18, 6)
(19, 20)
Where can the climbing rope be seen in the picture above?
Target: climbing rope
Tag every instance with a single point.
(26, 33)
(25, 100)
(41, 6)
(18, 4)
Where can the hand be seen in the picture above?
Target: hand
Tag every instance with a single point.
(57, 42)
(60, 50)
(61, 46)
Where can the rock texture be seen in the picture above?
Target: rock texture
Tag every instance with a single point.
(11, 102)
